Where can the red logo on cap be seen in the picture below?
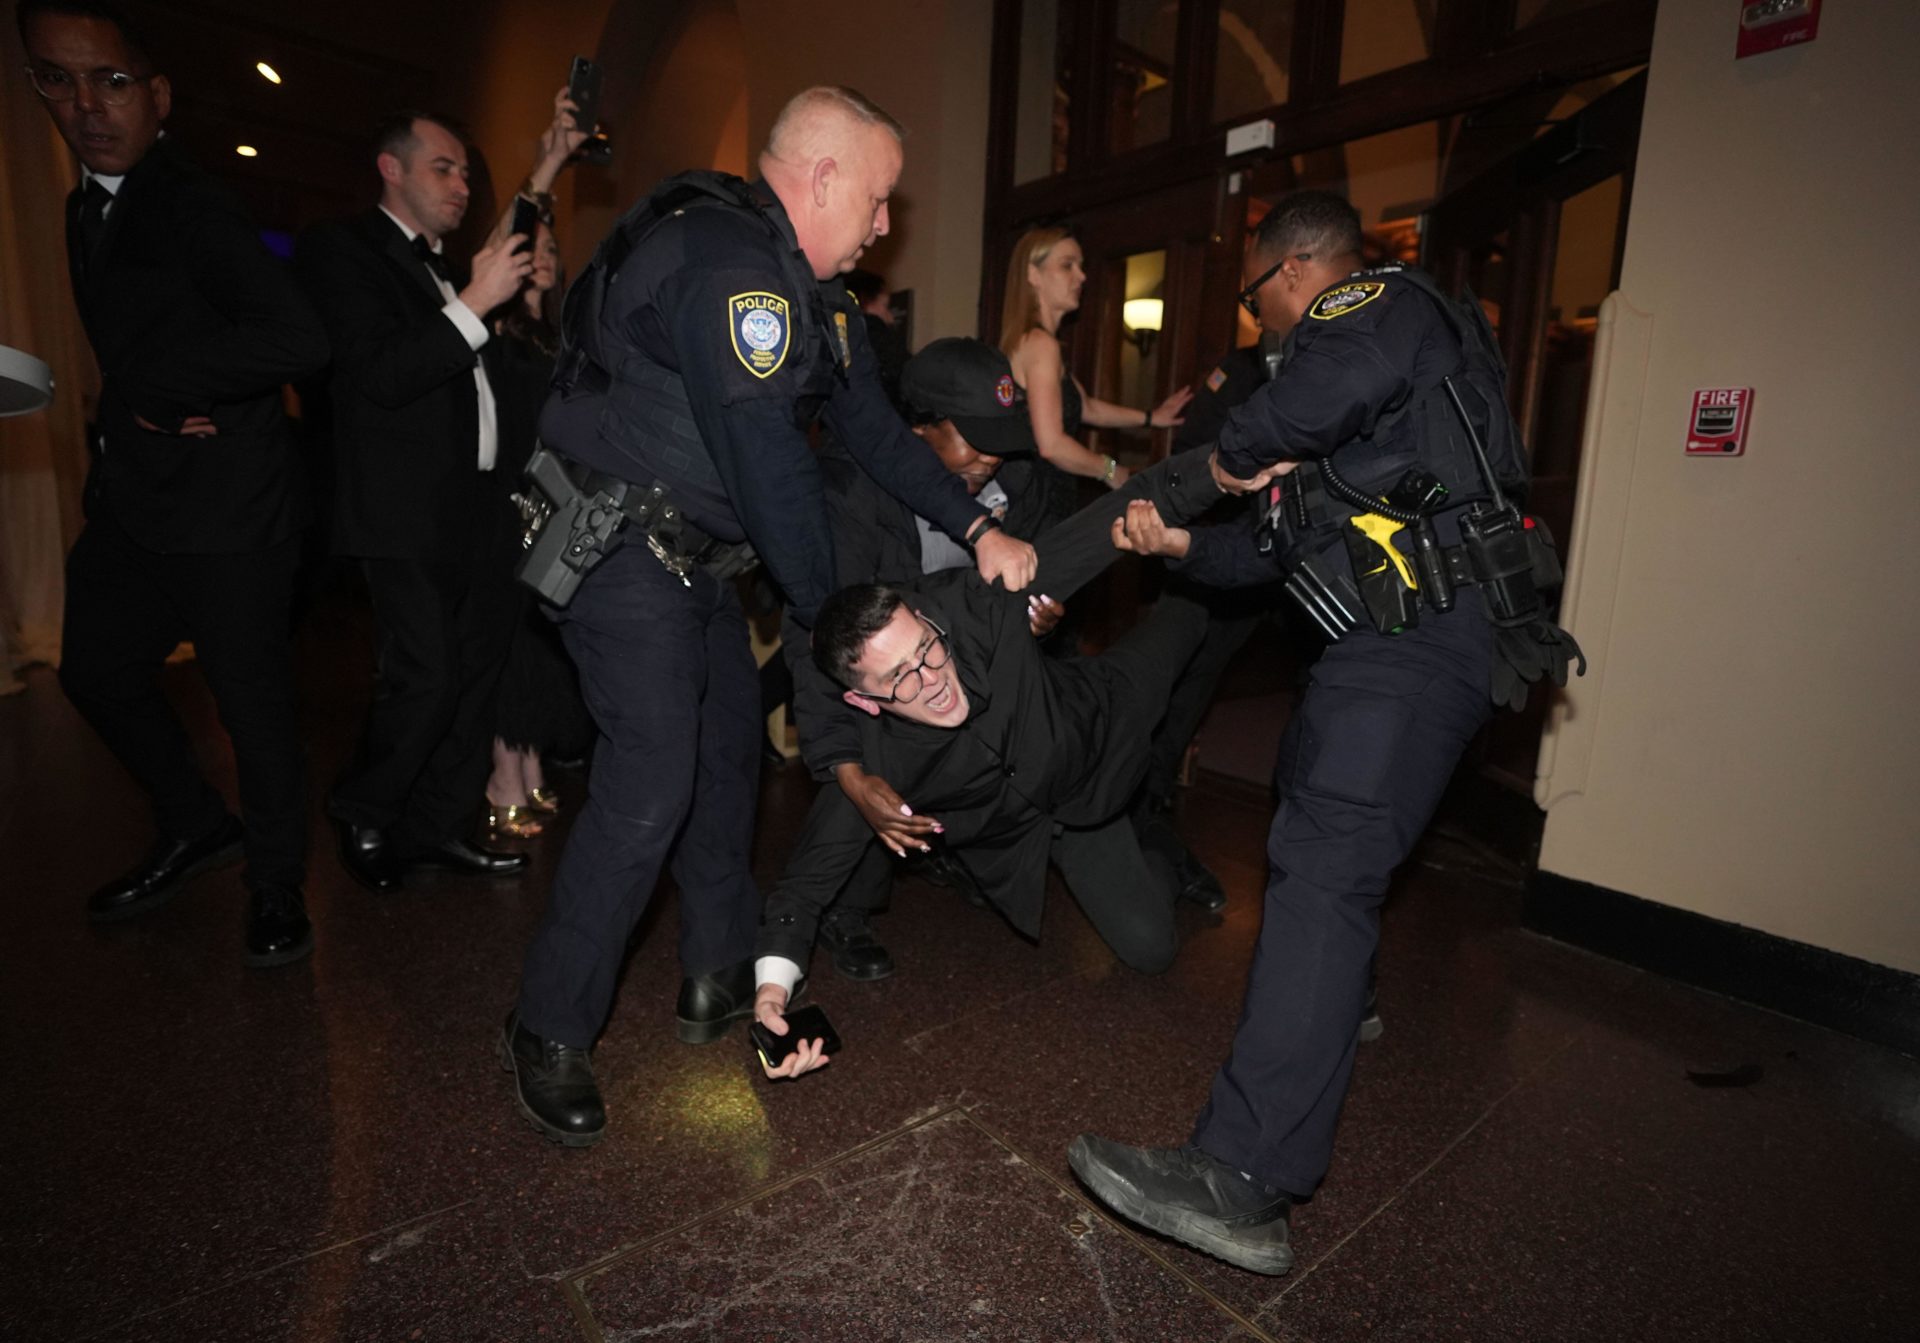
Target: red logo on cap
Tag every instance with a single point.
(1003, 390)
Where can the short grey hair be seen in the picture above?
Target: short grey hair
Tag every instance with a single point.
(807, 106)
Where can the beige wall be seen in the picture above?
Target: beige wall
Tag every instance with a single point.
(1745, 744)
(926, 63)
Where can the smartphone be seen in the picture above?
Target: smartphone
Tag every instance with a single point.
(583, 86)
(805, 1023)
(526, 218)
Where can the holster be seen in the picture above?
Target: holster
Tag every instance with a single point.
(575, 517)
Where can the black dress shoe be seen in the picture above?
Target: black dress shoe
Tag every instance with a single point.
(1199, 886)
(368, 856)
(469, 860)
(857, 954)
(163, 871)
(1197, 1199)
(710, 1004)
(277, 929)
(942, 868)
(554, 1086)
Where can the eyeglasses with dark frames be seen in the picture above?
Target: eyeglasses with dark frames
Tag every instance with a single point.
(111, 87)
(1250, 296)
(934, 653)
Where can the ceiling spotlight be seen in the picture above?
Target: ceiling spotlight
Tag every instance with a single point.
(246, 151)
(267, 72)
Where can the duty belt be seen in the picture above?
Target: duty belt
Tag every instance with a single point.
(678, 544)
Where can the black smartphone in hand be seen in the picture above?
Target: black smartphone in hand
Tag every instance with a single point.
(526, 218)
(583, 86)
(805, 1023)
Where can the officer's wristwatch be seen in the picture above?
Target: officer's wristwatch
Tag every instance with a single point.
(988, 523)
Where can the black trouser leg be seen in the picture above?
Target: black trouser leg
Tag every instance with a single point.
(238, 608)
(642, 644)
(454, 777)
(1229, 626)
(1128, 905)
(120, 625)
(1362, 766)
(712, 858)
(416, 690)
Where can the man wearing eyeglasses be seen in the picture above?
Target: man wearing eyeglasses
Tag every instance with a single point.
(1017, 759)
(194, 497)
(1370, 356)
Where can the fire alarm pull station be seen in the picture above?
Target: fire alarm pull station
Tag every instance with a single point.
(1718, 426)
(1768, 25)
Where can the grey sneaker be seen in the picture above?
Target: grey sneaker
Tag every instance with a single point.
(1195, 1198)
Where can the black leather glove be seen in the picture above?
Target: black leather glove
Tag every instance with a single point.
(1524, 654)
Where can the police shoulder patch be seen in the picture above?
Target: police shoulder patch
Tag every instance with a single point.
(761, 328)
(1346, 298)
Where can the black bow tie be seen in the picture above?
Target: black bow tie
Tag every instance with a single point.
(435, 261)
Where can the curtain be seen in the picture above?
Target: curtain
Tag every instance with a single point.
(43, 458)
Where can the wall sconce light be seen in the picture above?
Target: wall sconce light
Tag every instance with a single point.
(267, 72)
(1141, 317)
(246, 151)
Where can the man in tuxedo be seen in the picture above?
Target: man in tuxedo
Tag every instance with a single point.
(415, 438)
(194, 499)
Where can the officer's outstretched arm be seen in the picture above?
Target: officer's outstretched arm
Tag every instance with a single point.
(1339, 380)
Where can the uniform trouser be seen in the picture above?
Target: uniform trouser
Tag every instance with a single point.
(442, 634)
(1362, 766)
(127, 607)
(669, 679)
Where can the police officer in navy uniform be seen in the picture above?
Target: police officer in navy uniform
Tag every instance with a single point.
(1384, 720)
(708, 333)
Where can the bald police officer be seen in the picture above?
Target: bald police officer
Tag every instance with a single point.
(709, 332)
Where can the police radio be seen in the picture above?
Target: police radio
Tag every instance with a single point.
(1511, 556)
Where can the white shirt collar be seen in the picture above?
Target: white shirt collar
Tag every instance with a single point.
(411, 233)
(112, 184)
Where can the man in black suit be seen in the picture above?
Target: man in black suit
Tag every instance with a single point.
(194, 501)
(415, 438)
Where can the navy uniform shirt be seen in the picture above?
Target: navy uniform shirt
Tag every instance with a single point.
(708, 297)
(1362, 349)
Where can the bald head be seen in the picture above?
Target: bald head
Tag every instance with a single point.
(833, 158)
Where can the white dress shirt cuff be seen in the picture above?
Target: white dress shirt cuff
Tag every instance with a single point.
(469, 326)
(776, 970)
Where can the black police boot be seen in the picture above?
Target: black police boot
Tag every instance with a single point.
(710, 1004)
(164, 871)
(554, 1086)
(368, 856)
(278, 932)
(1197, 1199)
(857, 954)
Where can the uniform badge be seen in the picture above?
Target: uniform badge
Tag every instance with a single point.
(760, 325)
(1003, 390)
(1345, 299)
(1216, 379)
(846, 347)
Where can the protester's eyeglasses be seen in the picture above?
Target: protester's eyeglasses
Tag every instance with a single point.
(1250, 296)
(112, 87)
(935, 652)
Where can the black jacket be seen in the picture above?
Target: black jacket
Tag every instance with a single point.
(405, 411)
(720, 350)
(190, 315)
(1047, 740)
(876, 539)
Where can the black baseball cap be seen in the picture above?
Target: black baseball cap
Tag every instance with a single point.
(970, 383)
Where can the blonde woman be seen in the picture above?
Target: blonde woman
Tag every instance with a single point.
(1044, 280)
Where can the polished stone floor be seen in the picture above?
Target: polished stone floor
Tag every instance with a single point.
(196, 1151)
